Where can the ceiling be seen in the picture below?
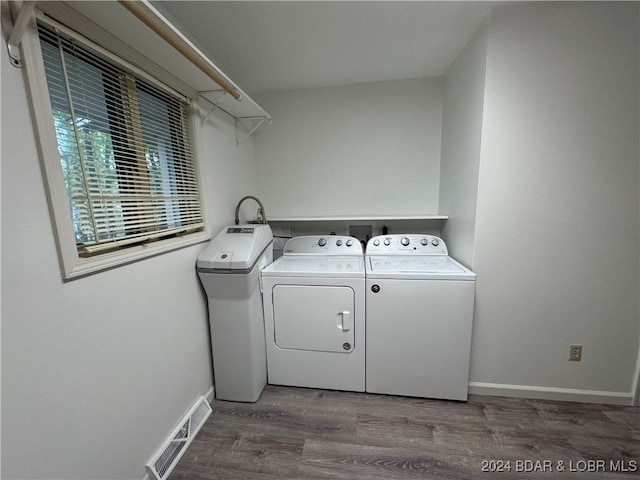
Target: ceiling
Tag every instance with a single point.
(267, 46)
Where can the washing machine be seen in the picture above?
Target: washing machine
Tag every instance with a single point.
(419, 305)
(314, 314)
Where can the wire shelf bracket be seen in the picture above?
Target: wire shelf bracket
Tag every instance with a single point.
(24, 15)
(251, 122)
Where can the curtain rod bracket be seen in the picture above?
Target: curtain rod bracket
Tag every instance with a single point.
(17, 32)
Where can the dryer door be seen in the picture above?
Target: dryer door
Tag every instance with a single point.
(312, 317)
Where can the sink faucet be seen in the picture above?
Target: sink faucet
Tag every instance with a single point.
(261, 211)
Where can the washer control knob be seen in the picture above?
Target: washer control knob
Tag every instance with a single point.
(435, 242)
(424, 241)
(376, 242)
(322, 242)
(387, 241)
(349, 243)
(338, 242)
(405, 241)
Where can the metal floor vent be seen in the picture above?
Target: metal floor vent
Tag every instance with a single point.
(167, 457)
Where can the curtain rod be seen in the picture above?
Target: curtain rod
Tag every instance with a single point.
(159, 25)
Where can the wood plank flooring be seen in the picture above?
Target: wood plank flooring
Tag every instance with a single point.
(298, 433)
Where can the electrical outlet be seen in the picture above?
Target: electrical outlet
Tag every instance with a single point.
(575, 353)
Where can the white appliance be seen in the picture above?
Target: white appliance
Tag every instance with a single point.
(314, 315)
(419, 316)
(229, 269)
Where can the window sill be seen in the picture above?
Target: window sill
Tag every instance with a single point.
(106, 261)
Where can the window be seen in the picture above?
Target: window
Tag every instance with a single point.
(125, 154)
(124, 148)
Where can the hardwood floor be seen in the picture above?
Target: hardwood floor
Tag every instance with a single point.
(298, 433)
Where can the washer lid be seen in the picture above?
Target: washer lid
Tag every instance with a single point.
(435, 267)
(316, 266)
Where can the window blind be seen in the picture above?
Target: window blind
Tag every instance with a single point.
(125, 149)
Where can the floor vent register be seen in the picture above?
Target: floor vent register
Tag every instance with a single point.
(167, 457)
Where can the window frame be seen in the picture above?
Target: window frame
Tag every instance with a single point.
(72, 264)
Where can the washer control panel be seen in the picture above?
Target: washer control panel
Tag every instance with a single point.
(406, 244)
(323, 244)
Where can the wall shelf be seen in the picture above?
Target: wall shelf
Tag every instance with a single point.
(354, 218)
(145, 48)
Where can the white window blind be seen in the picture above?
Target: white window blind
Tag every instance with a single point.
(125, 149)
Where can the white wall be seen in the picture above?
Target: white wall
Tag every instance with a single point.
(229, 171)
(557, 233)
(97, 371)
(91, 386)
(463, 109)
(366, 149)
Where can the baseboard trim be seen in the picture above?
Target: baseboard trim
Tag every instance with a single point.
(636, 383)
(550, 393)
(210, 394)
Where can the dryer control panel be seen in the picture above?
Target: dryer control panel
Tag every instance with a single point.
(406, 244)
(323, 245)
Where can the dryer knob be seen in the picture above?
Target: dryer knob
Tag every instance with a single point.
(424, 241)
(435, 242)
(405, 241)
(338, 242)
(349, 243)
(376, 242)
(322, 242)
(387, 241)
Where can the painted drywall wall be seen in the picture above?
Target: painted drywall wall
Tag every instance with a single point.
(463, 110)
(96, 372)
(228, 171)
(366, 149)
(557, 234)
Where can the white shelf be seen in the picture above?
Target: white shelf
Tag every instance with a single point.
(354, 218)
(141, 41)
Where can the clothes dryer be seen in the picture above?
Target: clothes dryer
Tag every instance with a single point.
(419, 304)
(314, 311)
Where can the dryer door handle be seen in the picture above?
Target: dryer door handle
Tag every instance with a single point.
(347, 321)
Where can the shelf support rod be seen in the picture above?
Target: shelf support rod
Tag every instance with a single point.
(148, 15)
(215, 104)
(257, 126)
